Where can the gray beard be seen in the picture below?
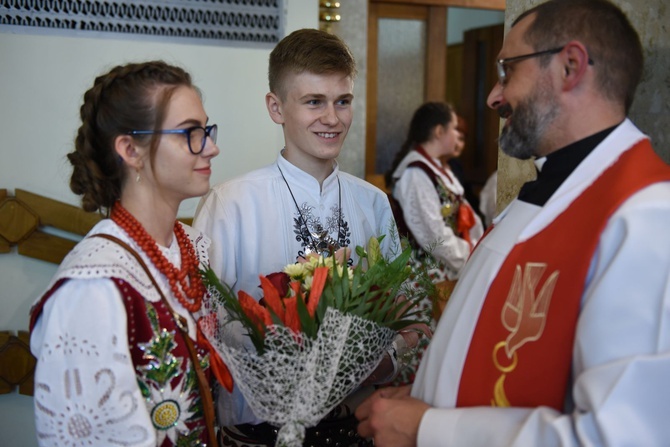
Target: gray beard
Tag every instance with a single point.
(531, 118)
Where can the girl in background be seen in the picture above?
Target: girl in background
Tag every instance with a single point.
(434, 213)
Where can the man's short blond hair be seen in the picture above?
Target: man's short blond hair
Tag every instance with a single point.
(308, 50)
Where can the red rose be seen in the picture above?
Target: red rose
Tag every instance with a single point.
(280, 280)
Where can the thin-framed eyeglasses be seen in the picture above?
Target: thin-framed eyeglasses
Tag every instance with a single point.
(501, 64)
(196, 136)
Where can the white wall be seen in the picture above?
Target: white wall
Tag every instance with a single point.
(42, 81)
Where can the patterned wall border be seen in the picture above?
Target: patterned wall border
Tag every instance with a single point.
(242, 23)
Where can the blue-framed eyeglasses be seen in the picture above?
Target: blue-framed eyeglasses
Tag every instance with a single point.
(501, 64)
(196, 135)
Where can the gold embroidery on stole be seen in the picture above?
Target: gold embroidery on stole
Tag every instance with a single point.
(524, 315)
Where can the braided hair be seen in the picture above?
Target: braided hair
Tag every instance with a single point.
(129, 97)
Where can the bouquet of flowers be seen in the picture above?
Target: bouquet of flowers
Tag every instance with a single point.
(321, 328)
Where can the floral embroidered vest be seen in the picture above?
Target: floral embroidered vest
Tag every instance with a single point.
(165, 372)
(521, 350)
(450, 204)
(163, 366)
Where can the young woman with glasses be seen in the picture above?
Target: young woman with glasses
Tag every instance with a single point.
(119, 357)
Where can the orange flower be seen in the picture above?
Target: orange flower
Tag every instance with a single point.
(296, 286)
(318, 283)
(256, 313)
(216, 364)
(292, 320)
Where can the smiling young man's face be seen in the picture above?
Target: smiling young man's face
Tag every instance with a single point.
(315, 111)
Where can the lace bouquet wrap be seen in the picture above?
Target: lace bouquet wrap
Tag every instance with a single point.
(321, 329)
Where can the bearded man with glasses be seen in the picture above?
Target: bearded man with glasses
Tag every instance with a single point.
(558, 332)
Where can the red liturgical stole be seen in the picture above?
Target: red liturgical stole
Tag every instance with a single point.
(521, 351)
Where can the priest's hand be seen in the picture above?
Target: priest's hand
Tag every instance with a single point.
(391, 417)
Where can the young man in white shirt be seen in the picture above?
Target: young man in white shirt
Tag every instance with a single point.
(300, 204)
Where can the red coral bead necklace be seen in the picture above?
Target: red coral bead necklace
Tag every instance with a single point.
(186, 283)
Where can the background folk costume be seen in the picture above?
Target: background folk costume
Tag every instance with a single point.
(432, 211)
(436, 212)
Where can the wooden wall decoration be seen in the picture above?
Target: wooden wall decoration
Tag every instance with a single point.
(23, 217)
(17, 364)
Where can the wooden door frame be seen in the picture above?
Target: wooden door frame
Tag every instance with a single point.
(480, 158)
(436, 52)
(434, 12)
